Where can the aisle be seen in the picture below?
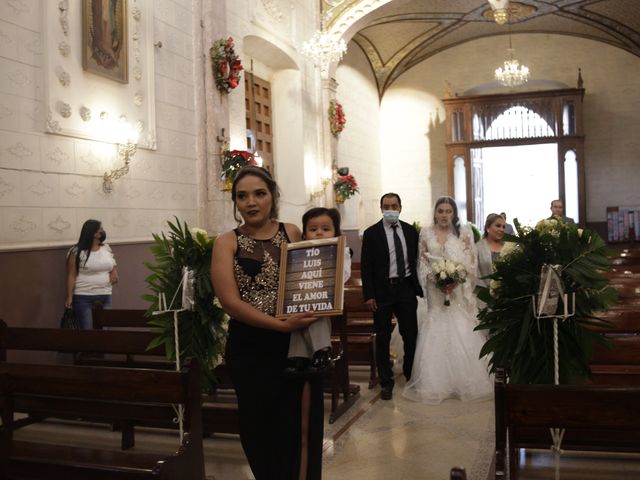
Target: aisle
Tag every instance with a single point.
(409, 440)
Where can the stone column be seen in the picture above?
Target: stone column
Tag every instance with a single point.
(329, 142)
(212, 120)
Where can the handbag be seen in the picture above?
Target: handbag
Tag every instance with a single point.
(68, 319)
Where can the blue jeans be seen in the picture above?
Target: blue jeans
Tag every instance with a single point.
(82, 306)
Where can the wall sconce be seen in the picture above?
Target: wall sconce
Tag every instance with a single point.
(325, 180)
(125, 151)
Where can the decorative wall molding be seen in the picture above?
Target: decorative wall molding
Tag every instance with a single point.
(58, 156)
(135, 100)
(59, 225)
(5, 187)
(23, 225)
(20, 151)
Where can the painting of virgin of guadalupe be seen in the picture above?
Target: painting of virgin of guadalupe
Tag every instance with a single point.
(104, 38)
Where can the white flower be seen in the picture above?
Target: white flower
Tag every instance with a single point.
(451, 268)
(443, 275)
(580, 230)
(216, 302)
(508, 248)
(195, 230)
(493, 286)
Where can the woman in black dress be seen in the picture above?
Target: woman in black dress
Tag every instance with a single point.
(281, 418)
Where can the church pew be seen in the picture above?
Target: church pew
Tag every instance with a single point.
(361, 336)
(337, 382)
(121, 348)
(619, 365)
(596, 418)
(113, 393)
(625, 320)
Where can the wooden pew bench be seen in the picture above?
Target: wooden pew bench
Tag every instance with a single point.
(337, 381)
(110, 393)
(361, 336)
(337, 385)
(596, 418)
(619, 365)
(121, 348)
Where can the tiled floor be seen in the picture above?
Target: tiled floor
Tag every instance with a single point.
(375, 440)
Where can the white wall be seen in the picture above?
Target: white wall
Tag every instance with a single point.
(50, 184)
(359, 142)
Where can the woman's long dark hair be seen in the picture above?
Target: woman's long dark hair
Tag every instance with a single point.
(264, 175)
(455, 221)
(85, 242)
(332, 213)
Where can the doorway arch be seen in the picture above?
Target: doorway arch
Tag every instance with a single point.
(471, 125)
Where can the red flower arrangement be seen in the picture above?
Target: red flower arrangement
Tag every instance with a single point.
(337, 118)
(232, 162)
(225, 64)
(345, 187)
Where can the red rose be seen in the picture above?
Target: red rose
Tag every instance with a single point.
(233, 82)
(237, 66)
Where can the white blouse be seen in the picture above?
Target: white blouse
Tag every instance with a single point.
(93, 276)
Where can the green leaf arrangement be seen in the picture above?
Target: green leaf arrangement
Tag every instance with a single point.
(202, 331)
(517, 340)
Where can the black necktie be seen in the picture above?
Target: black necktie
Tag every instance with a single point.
(399, 252)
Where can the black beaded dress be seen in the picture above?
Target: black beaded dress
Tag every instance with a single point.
(269, 403)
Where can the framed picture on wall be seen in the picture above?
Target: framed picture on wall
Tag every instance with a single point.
(104, 38)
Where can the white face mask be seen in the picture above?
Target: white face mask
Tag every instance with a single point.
(391, 216)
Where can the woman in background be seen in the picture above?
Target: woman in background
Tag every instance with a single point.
(490, 246)
(91, 272)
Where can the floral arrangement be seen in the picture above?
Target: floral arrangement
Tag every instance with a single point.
(203, 330)
(345, 187)
(225, 64)
(337, 119)
(518, 341)
(232, 162)
(446, 272)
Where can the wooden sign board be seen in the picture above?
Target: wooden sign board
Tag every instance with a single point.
(311, 277)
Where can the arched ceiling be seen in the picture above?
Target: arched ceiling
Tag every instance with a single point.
(395, 35)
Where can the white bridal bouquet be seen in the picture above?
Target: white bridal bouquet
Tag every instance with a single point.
(446, 272)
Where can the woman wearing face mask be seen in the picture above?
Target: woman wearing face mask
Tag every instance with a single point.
(446, 363)
(91, 272)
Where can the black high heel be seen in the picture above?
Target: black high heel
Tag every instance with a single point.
(322, 359)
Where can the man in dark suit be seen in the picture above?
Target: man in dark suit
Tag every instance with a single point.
(557, 211)
(390, 285)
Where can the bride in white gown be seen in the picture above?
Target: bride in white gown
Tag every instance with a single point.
(446, 363)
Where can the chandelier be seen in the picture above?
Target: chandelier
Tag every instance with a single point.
(324, 49)
(512, 74)
(500, 11)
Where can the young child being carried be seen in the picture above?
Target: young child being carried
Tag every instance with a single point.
(311, 346)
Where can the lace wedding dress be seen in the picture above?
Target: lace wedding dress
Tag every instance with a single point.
(446, 361)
